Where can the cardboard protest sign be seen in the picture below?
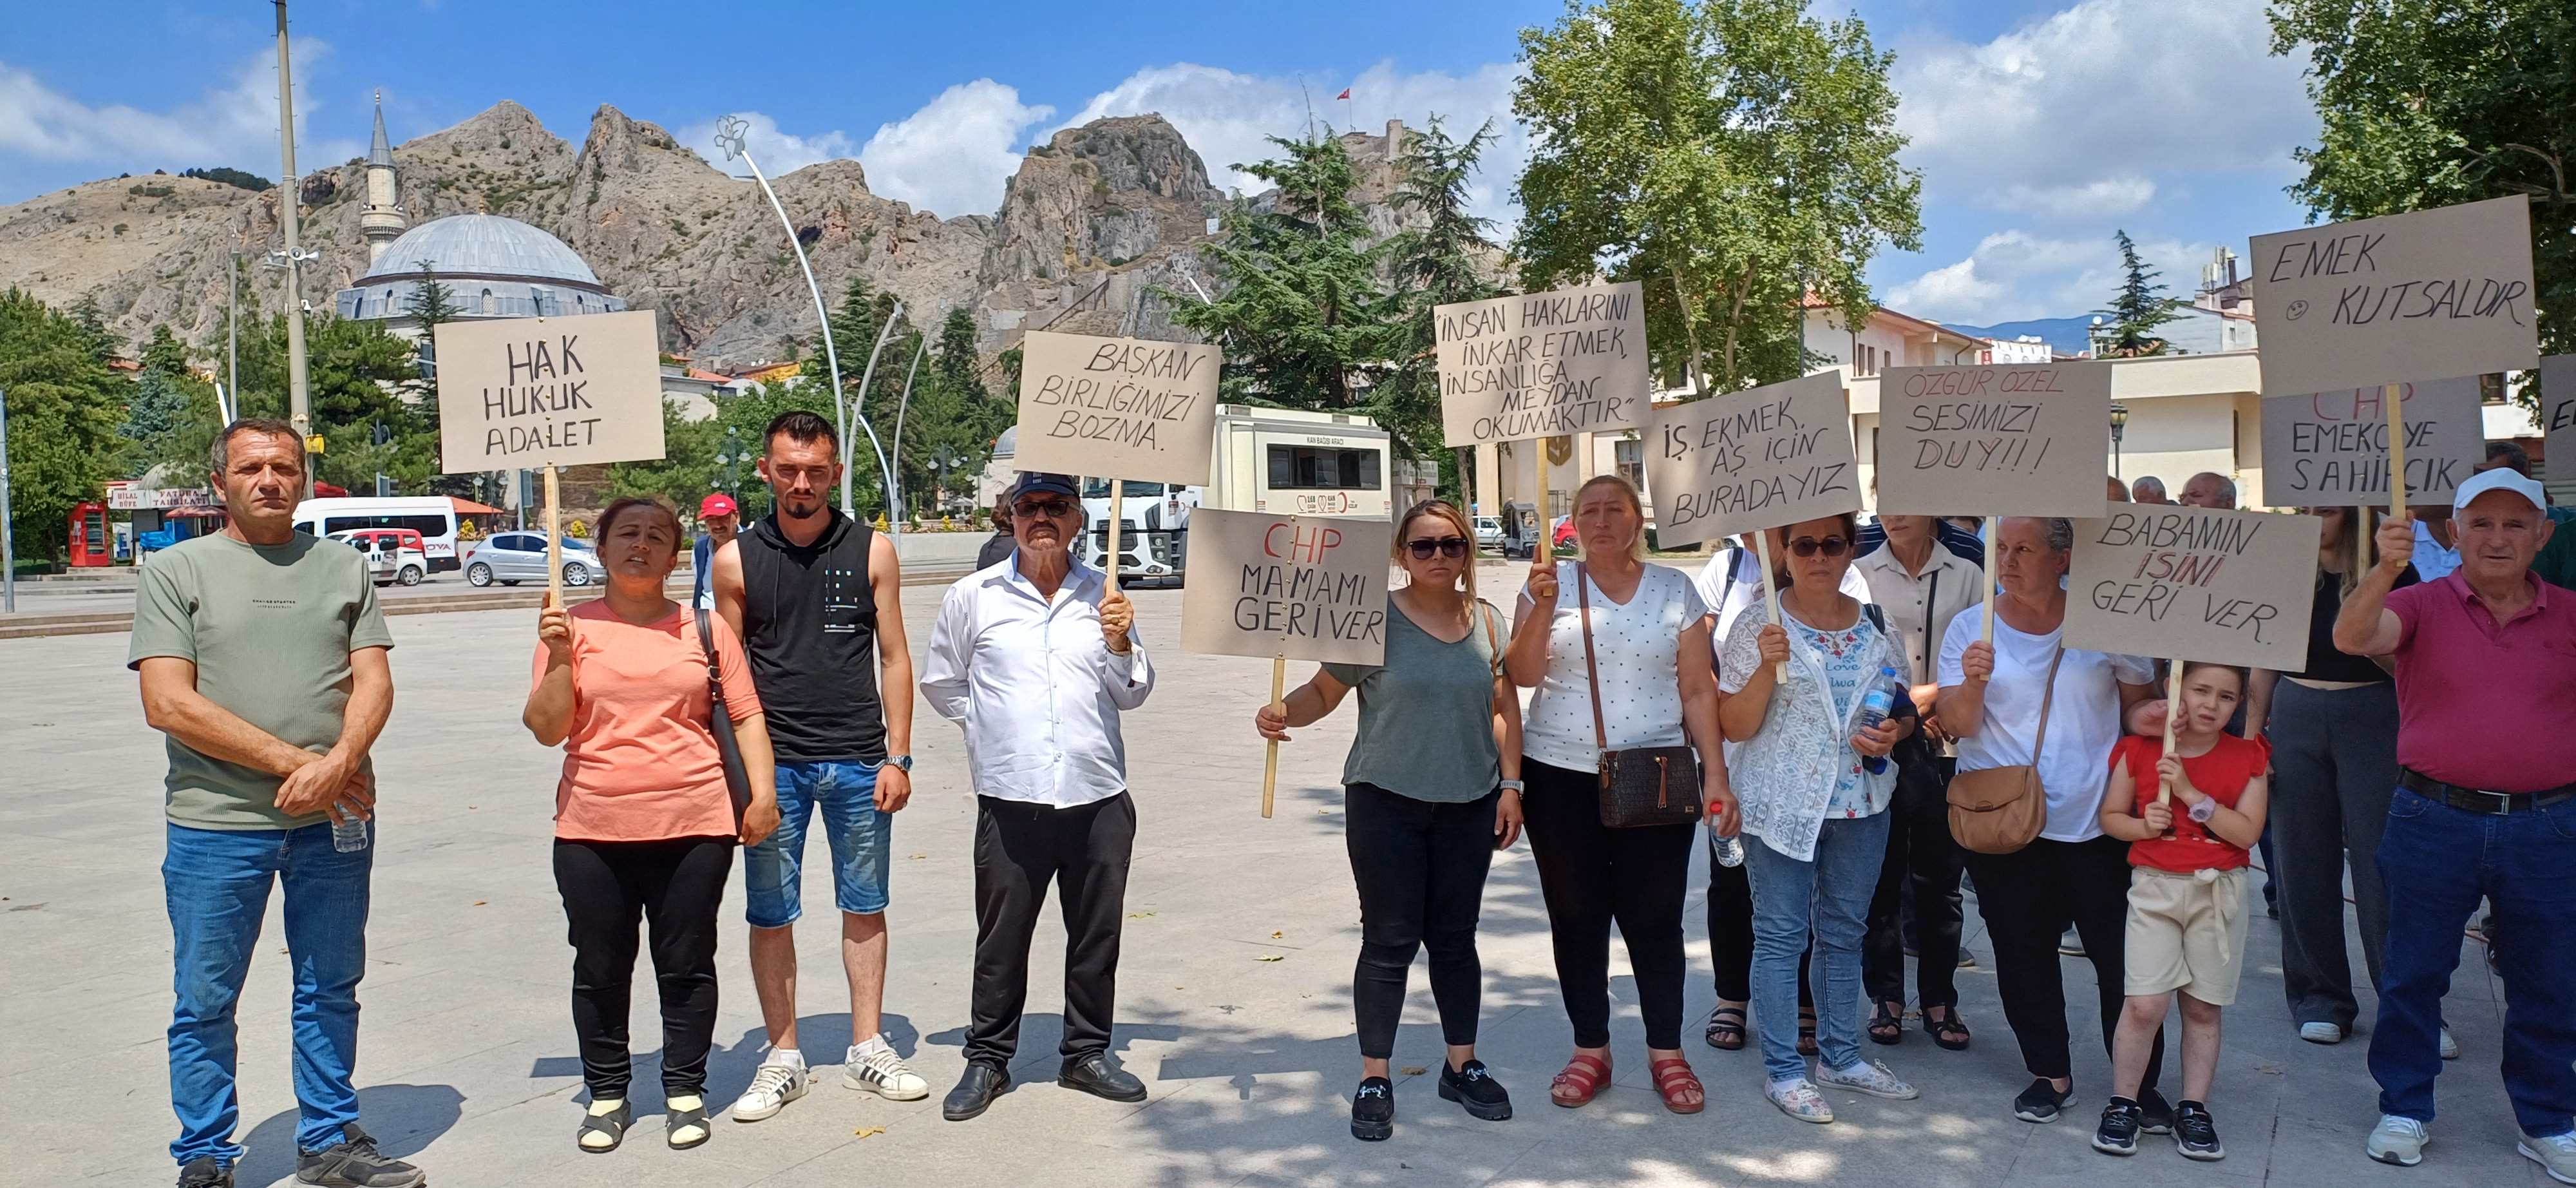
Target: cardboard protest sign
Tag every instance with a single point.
(1754, 459)
(530, 392)
(2330, 449)
(1994, 439)
(2418, 296)
(1543, 364)
(1303, 587)
(2558, 407)
(1117, 407)
(2194, 583)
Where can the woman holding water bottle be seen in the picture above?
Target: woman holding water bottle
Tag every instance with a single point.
(1812, 772)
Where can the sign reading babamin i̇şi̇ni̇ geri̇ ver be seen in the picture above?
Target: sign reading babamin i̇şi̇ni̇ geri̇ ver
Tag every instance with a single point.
(2164, 580)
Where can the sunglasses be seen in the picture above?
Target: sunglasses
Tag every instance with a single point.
(1831, 546)
(1051, 507)
(1452, 547)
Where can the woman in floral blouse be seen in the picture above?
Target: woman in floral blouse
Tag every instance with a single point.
(1815, 787)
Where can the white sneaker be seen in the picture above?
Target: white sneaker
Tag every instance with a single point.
(2450, 1047)
(2555, 1155)
(772, 1087)
(1871, 1077)
(1799, 1100)
(2321, 1033)
(883, 1073)
(2399, 1140)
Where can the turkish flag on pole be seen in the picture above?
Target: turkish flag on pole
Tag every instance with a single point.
(1346, 93)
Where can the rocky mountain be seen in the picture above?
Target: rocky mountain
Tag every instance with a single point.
(1090, 221)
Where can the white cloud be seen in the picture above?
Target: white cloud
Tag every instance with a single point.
(779, 153)
(43, 131)
(2108, 196)
(953, 155)
(2013, 275)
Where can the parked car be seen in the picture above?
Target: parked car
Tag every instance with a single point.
(514, 557)
(394, 555)
(1489, 532)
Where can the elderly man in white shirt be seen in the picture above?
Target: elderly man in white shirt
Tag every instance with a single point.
(1035, 657)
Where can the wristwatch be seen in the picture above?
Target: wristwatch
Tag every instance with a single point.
(1511, 785)
(901, 763)
(2202, 812)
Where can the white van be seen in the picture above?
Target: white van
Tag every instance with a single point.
(433, 516)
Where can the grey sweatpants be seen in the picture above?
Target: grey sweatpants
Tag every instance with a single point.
(2335, 752)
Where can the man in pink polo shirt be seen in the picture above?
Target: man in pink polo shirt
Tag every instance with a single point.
(2485, 808)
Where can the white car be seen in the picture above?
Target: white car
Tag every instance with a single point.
(1489, 532)
(393, 556)
(514, 557)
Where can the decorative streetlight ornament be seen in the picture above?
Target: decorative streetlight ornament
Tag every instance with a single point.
(2119, 425)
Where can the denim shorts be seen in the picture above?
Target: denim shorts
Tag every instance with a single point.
(845, 796)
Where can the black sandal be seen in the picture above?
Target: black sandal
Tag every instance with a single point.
(1806, 1031)
(613, 1124)
(1724, 1033)
(1887, 1026)
(1947, 1030)
(674, 1118)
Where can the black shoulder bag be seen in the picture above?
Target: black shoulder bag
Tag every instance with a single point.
(1639, 785)
(737, 777)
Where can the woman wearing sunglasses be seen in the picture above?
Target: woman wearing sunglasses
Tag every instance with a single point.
(1813, 773)
(1648, 641)
(1432, 789)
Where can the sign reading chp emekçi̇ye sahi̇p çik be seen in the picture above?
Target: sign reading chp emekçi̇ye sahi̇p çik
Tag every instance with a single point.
(528, 392)
(1542, 364)
(2330, 449)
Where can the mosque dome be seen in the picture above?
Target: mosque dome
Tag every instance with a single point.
(492, 267)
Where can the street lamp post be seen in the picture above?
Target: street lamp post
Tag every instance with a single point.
(299, 393)
(8, 545)
(2119, 426)
(731, 460)
(901, 407)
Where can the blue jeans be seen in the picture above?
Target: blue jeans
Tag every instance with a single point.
(773, 872)
(1830, 896)
(2437, 863)
(217, 882)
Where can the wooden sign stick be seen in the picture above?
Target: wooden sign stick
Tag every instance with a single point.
(1770, 594)
(1117, 512)
(1994, 526)
(1278, 702)
(2173, 710)
(2396, 453)
(554, 540)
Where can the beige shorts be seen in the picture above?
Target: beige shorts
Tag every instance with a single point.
(2186, 932)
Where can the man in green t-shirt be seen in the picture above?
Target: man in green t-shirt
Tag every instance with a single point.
(262, 652)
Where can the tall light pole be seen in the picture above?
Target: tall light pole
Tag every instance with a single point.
(901, 407)
(8, 545)
(2119, 426)
(232, 332)
(299, 394)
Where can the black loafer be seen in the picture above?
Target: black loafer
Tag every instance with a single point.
(1096, 1076)
(975, 1091)
(204, 1172)
(1475, 1089)
(354, 1162)
(1373, 1110)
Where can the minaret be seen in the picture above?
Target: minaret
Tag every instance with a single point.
(380, 220)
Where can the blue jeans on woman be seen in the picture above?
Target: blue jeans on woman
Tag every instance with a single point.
(1829, 896)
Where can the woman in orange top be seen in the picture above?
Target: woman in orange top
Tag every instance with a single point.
(643, 822)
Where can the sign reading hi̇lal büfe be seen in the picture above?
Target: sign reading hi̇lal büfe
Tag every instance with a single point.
(1299, 587)
(1543, 364)
(1120, 408)
(1761, 458)
(2330, 449)
(2419, 296)
(529, 392)
(1994, 439)
(2170, 581)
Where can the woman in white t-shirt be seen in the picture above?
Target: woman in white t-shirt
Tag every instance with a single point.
(1650, 643)
(1990, 700)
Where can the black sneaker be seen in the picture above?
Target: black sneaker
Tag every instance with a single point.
(204, 1172)
(2118, 1134)
(2196, 1134)
(1373, 1110)
(354, 1162)
(1471, 1086)
(2157, 1114)
(2042, 1102)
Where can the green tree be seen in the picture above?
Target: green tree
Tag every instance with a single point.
(687, 469)
(2136, 310)
(1733, 156)
(65, 405)
(172, 416)
(1441, 260)
(431, 302)
(2428, 103)
(359, 376)
(953, 417)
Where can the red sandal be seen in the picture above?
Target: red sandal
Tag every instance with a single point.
(1580, 1082)
(1682, 1091)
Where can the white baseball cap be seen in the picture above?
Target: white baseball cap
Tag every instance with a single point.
(2502, 478)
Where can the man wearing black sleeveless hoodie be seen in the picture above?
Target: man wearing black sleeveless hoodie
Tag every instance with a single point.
(815, 597)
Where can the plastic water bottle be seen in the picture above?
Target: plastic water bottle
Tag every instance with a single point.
(1875, 706)
(1730, 851)
(348, 835)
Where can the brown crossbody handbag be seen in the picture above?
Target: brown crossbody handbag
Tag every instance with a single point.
(1639, 785)
(2001, 809)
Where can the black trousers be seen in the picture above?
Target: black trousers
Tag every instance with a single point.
(2028, 898)
(2336, 754)
(1421, 869)
(1592, 877)
(1730, 930)
(1923, 860)
(675, 887)
(1019, 849)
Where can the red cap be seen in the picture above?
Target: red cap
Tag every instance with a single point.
(715, 505)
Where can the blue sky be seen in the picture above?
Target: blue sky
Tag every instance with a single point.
(2040, 125)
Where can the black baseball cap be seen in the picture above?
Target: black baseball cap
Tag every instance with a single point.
(1035, 482)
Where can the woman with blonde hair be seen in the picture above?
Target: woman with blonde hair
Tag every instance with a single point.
(1431, 789)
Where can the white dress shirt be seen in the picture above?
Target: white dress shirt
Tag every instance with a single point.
(1035, 685)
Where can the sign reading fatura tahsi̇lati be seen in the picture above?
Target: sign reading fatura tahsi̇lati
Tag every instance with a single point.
(2420, 296)
(1759, 458)
(1543, 364)
(2233, 587)
(1121, 408)
(1994, 439)
(1299, 587)
(519, 393)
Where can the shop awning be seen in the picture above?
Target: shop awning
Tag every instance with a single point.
(467, 507)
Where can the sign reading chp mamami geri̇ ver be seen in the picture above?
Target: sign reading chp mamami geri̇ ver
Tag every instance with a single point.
(527, 392)
(1117, 407)
(1759, 458)
(2330, 449)
(1543, 364)
(1994, 439)
(1302, 587)
(2194, 583)
(2418, 296)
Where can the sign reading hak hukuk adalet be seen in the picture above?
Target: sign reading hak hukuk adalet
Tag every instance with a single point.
(1994, 439)
(529, 392)
(2330, 449)
(1754, 459)
(1123, 408)
(1543, 364)
(2418, 296)
(1302, 587)
(2194, 583)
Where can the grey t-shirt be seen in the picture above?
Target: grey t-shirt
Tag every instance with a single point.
(1427, 714)
(270, 630)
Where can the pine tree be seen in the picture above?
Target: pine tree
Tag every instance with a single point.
(2136, 311)
(171, 417)
(1440, 262)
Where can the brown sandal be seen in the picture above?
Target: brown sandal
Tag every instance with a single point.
(1580, 1082)
(1680, 1087)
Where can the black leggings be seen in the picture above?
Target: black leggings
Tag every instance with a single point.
(1592, 876)
(675, 886)
(1421, 868)
(1730, 929)
(1924, 859)
(2027, 898)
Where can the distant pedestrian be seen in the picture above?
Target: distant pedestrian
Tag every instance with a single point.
(720, 517)
(2115, 491)
(644, 817)
(1036, 659)
(2209, 490)
(998, 549)
(2148, 489)
(1432, 789)
(262, 654)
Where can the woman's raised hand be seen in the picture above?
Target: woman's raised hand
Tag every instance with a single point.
(1773, 642)
(554, 630)
(1978, 662)
(1542, 578)
(1272, 721)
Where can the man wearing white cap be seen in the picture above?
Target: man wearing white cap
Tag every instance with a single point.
(2485, 808)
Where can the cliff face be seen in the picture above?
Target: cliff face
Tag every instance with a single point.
(1089, 221)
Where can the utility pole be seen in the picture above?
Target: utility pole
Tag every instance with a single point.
(298, 392)
(8, 545)
(232, 331)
